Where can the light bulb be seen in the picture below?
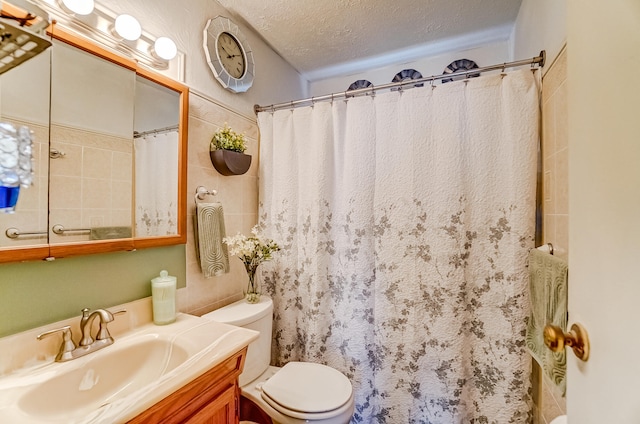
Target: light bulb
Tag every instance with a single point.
(79, 7)
(128, 27)
(165, 48)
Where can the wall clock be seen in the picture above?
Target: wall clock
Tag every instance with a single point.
(228, 54)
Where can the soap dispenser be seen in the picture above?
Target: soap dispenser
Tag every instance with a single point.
(163, 293)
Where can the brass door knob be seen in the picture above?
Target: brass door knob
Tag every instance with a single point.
(577, 339)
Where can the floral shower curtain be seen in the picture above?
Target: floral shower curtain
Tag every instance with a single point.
(156, 184)
(405, 221)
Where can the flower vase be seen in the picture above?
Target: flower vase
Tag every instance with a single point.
(252, 295)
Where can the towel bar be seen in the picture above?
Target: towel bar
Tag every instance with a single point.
(14, 233)
(60, 230)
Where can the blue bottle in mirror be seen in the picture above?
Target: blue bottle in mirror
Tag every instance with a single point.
(16, 164)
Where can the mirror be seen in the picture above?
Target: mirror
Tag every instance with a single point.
(156, 122)
(24, 100)
(117, 147)
(91, 185)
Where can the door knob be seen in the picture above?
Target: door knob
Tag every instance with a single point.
(577, 339)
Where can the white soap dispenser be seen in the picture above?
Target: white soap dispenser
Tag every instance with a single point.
(163, 293)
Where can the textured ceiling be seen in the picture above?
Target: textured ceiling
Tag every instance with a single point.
(313, 35)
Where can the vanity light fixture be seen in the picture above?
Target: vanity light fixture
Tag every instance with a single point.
(120, 32)
(164, 48)
(79, 7)
(127, 27)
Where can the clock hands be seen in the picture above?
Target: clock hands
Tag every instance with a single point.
(229, 55)
(225, 50)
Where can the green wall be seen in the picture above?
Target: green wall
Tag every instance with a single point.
(37, 293)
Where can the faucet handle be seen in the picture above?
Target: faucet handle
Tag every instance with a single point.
(67, 346)
(103, 331)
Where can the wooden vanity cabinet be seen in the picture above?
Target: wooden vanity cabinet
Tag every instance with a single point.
(212, 398)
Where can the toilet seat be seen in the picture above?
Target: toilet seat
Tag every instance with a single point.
(308, 391)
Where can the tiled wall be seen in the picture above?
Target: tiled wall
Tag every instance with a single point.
(555, 156)
(555, 205)
(91, 185)
(238, 195)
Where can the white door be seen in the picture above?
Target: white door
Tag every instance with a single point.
(604, 208)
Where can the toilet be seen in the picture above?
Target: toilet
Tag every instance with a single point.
(299, 392)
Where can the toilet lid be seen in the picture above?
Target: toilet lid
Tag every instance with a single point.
(308, 388)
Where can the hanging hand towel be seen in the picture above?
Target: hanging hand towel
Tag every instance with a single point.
(209, 232)
(548, 294)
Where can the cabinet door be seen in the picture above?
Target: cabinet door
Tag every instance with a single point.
(24, 101)
(90, 188)
(222, 410)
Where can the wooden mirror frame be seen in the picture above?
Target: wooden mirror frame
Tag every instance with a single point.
(52, 251)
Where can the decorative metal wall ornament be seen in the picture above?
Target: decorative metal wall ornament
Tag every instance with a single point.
(356, 85)
(458, 66)
(407, 74)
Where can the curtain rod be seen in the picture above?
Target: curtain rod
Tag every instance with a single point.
(538, 60)
(137, 134)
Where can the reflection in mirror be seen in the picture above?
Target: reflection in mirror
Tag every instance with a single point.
(91, 189)
(24, 101)
(156, 145)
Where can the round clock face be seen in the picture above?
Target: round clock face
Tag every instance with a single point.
(231, 55)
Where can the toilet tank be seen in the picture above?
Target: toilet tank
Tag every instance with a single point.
(254, 316)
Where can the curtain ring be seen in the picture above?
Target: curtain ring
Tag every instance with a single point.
(433, 86)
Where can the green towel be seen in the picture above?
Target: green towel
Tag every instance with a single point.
(548, 296)
(209, 228)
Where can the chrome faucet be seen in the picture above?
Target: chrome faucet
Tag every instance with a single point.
(86, 322)
(69, 350)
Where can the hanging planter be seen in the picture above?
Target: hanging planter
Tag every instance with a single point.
(228, 162)
(227, 152)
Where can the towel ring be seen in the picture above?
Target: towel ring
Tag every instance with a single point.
(201, 192)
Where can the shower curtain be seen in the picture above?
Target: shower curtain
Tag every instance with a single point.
(156, 184)
(405, 221)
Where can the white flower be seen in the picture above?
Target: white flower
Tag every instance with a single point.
(253, 250)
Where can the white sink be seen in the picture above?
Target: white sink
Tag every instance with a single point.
(102, 378)
(118, 382)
